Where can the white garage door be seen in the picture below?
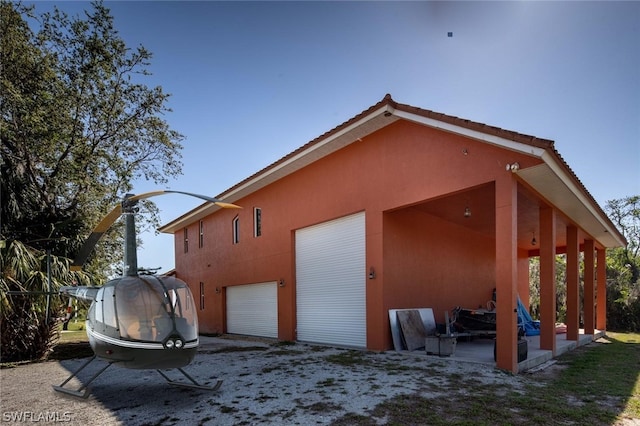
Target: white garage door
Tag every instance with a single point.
(330, 282)
(253, 309)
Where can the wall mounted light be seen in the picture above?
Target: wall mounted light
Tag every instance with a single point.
(533, 239)
(218, 290)
(513, 167)
(467, 212)
(281, 282)
(372, 273)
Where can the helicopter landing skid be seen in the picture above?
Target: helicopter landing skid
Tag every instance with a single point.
(193, 384)
(82, 391)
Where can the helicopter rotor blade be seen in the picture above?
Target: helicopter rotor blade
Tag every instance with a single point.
(95, 236)
(202, 197)
(114, 214)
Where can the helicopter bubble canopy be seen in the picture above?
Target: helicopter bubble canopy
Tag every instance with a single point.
(146, 309)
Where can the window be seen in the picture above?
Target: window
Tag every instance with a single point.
(186, 240)
(257, 221)
(201, 236)
(201, 295)
(236, 230)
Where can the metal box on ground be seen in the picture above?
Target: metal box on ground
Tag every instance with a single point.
(432, 345)
(523, 350)
(440, 345)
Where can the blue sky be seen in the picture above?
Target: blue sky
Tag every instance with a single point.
(251, 82)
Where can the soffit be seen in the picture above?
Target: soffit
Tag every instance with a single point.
(565, 196)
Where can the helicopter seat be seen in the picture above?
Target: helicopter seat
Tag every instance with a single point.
(131, 330)
(163, 327)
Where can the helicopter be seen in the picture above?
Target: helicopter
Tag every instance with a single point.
(137, 321)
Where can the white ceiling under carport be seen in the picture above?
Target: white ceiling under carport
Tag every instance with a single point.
(565, 196)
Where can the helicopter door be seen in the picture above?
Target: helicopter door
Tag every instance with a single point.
(152, 309)
(180, 302)
(139, 303)
(102, 316)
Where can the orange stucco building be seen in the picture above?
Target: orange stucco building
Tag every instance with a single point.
(399, 207)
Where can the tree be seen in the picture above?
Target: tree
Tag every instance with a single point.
(77, 127)
(623, 266)
(27, 327)
(622, 270)
(561, 287)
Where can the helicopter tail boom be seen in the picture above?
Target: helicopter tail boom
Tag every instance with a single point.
(80, 292)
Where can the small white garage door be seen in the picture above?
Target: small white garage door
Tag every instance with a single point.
(252, 309)
(330, 282)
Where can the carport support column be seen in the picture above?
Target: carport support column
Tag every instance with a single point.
(506, 272)
(548, 279)
(573, 278)
(377, 317)
(601, 298)
(589, 287)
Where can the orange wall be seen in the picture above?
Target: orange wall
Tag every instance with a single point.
(400, 165)
(431, 263)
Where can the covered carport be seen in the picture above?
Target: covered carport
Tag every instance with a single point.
(469, 242)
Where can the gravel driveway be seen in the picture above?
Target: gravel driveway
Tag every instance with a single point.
(264, 383)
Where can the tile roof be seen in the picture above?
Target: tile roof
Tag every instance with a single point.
(387, 102)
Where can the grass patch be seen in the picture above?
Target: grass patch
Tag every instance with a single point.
(228, 349)
(350, 419)
(269, 369)
(75, 333)
(283, 352)
(322, 407)
(282, 343)
(610, 370)
(596, 385)
(327, 382)
(348, 358)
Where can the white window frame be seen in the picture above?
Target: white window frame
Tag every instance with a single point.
(235, 225)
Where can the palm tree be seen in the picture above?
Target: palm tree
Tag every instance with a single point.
(27, 306)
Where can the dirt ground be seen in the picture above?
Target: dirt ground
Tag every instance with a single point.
(262, 383)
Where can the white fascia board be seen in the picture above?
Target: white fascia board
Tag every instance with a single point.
(298, 157)
(474, 134)
(246, 188)
(558, 172)
(576, 191)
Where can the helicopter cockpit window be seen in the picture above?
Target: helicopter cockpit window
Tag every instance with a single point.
(138, 301)
(152, 308)
(108, 307)
(98, 306)
(185, 313)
